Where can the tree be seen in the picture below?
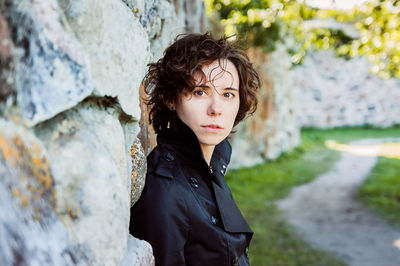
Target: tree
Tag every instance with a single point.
(265, 23)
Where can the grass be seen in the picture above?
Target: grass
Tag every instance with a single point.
(256, 188)
(381, 190)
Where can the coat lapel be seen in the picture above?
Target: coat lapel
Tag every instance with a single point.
(232, 219)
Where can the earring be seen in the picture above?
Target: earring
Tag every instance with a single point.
(172, 108)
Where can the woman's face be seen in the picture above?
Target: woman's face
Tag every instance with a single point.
(211, 108)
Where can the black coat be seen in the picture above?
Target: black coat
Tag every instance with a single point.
(186, 210)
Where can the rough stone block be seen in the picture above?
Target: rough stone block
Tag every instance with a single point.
(31, 233)
(117, 46)
(138, 252)
(50, 73)
(87, 153)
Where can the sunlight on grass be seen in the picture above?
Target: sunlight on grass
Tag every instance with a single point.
(389, 149)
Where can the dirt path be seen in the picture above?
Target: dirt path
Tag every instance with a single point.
(326, 213)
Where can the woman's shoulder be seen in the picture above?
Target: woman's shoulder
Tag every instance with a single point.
(163, 161)
(165, 175)
(163, 187)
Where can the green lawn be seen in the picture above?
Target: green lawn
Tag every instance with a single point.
(255, 189)
(381, 190)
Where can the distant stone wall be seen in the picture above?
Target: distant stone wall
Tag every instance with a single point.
(325, 91)
(273, 128)
(335, 92)
(69, 118)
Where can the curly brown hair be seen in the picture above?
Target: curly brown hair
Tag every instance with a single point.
(173, 74)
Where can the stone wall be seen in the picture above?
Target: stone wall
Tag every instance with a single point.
(69, 119)
(273, 128)
(325, 91)
(335, 92)
(71, 160)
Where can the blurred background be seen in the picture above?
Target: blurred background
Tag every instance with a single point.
(315, 170)
(325, 138)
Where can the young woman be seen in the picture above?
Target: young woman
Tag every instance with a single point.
(198, 92)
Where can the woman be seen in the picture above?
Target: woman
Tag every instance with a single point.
(198, 92)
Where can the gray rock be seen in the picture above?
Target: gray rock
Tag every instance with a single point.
(139, 169)
(135, 161)
(31, 233)
(149, 13)
(117, 46)
(7, 91)
(51, 73)
(70, 73)
(172, 18)
(328, 96)
(138, 252)
(195, 18)
(87, 153)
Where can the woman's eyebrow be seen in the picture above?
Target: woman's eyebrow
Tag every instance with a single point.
(208, 87)
(203, 86)
(232, 89)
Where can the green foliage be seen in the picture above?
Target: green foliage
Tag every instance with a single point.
(262, 23)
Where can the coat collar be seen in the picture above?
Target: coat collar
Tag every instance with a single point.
(186, 142)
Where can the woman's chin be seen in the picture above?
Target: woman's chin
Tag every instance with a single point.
(211, 140)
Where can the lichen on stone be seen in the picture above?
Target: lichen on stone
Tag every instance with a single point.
(139, 168)
(25, 158)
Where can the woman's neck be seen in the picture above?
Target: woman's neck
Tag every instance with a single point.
(207, 152)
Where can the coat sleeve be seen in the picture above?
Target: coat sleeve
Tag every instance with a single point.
(160, 218)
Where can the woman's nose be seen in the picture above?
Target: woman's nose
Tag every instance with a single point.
(215, 107)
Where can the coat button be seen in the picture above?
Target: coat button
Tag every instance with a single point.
(193, 181)
(235, 261)
(168, 157)
(214, 220)
(222, 172)
(224, 166)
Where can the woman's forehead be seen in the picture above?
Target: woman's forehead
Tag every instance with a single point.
(219, 73)
(222, 64)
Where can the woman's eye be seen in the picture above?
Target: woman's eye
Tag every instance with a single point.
(229, 95)
(199, 92)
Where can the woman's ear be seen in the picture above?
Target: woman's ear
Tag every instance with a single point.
(171, 106)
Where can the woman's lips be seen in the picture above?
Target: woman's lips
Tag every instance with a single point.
(213, 128)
